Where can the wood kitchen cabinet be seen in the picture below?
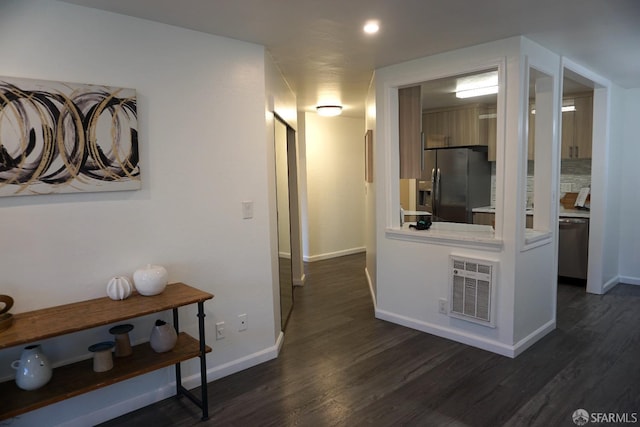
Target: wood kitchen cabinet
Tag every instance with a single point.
(489, 116)
(486, 218)
(435, 125)
(531, 136)
(577, 127)
(582, 128)
(410, 137)
(454, 127)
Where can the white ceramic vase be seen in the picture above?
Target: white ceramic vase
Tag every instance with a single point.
(33, 370)
(163, 337)
(150, 280)
(119, 288)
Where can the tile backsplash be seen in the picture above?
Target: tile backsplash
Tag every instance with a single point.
(574, 175)
(577, 173)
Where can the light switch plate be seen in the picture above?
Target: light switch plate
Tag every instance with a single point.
(247, 209)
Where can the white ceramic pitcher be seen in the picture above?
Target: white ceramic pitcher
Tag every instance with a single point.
(33, 370)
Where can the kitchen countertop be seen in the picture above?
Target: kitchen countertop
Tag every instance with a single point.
(449, 233)
(562, 212)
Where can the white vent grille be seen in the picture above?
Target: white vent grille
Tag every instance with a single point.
(473, 290)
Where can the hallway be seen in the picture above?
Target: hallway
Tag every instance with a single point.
(339, 366)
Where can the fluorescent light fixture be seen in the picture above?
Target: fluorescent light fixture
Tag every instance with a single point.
(470, 93)
(477, 85)
(329, 110)
(565, 109)
(371, 27)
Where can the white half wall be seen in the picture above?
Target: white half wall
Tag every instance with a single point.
(201, 106)
(335, 190)
(413, 270)
(629, 189)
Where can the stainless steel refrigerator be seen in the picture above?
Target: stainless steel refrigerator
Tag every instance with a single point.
(454, 181)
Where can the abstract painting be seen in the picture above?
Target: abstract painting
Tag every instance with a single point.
(58, 137)
(368, 156)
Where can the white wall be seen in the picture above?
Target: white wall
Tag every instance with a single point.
(201, 105)
(629, 189)
(335, 190)
(611, 215)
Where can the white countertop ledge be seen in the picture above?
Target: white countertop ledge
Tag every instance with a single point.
(533, 238)
(562, 212)
(450, 234)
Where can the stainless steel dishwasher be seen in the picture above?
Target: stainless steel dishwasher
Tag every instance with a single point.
(573, 247)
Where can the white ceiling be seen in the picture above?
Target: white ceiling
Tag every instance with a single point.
(323, 53)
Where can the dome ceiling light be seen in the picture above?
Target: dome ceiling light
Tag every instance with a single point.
(371, 27)
(329, 110)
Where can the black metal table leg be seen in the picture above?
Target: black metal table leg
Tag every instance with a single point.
(203, 402)
(203, 362)
(178, 370)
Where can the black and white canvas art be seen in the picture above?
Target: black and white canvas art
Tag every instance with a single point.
(58, 137)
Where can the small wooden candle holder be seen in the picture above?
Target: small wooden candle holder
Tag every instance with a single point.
(123, 344)
(102, 359)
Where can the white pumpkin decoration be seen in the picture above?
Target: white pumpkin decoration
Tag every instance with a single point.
(150, 280)
(119, 288)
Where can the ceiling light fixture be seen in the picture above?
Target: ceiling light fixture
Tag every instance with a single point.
(477, 85)
(564, 109)
(470, 93)
(371, 27)
(329, 110)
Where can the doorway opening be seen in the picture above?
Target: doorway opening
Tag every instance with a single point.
(286, 187)
(583, 136)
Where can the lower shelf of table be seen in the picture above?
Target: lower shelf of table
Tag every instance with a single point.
(78, 378)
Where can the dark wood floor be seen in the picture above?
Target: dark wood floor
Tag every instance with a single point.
(340, 366)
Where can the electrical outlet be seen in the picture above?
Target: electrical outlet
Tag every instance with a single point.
(219, 330)
(242, 322)
(442, 306)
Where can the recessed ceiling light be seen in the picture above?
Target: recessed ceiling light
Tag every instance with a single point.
(371, 27)
(329, 110)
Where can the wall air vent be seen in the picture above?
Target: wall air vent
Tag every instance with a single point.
(473, 290)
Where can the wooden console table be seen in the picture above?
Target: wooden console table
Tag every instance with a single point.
(78, 378)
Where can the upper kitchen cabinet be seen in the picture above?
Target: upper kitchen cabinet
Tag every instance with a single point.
(410, 135)
(577, 126)
(454, 127)
(489, 117)
(531, 135)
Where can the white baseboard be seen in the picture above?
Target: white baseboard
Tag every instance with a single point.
(466, 338)
(608, 285)
(237, 365)
(124, 407)
(629, 280)
(533, 337)
(336, 254)
(301, 281)
(168, 390)
(370, 283)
